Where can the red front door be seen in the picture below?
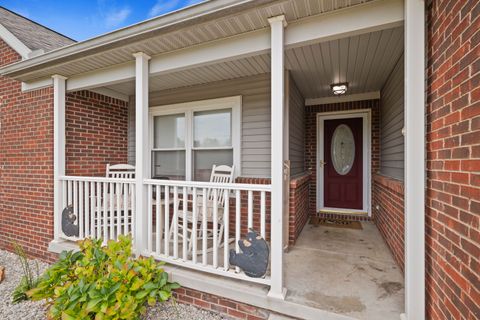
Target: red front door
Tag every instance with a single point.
(343, 168)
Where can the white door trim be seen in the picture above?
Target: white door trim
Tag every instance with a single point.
(365, 114)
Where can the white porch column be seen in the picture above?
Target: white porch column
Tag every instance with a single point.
(414, 160)
(277, 25)
(141, 150)
(58, 151)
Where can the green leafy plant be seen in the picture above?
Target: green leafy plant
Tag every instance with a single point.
(29, 280)
(102, 283)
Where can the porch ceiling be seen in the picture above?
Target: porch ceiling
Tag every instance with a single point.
(364, 61)
(202, 23)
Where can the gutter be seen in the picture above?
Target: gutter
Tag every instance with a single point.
(176, 20)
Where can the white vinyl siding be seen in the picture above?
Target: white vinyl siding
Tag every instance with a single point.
(391, 124)
(255, 124)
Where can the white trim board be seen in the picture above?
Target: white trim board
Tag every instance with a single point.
(365, 114)
(14, 42)
(374, 95)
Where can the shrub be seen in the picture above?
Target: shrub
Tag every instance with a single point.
(102, 283)
(29, 280)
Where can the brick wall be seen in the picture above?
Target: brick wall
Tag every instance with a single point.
(96, 133)
(388, 195)
(311, 138)
(299, 208)
(453, 160)
(26, 164)
(230, 308)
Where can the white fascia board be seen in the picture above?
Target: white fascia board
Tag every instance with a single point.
(111, 93)
(344, 98)
(14, 42)
(237, 47)
(102, 77)
(359, 19)
(37, 84)
(48, 82)
(351, 21)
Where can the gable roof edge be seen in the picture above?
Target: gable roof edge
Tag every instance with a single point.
(14, 42)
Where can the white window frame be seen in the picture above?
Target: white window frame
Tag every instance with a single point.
(188, 108)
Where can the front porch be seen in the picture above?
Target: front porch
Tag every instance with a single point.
(266, 113)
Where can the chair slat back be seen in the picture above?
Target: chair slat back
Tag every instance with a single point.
(220, 174)
(120, 171)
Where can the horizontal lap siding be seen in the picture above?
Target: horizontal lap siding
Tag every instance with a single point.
(297, 129)
(391, 124)
(255, 92)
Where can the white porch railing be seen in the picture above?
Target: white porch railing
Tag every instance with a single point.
(181, 216)
(195, 224)
(104, 207)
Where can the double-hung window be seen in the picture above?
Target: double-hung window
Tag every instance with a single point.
(187, 139)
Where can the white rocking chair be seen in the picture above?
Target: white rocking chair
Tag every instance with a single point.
(220, 174)
(117, 171)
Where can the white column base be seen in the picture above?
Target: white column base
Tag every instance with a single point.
(277, 295)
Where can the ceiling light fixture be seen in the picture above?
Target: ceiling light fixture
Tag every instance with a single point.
(339, 88)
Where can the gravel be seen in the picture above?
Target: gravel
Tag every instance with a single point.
(36, 310)
(31, 310)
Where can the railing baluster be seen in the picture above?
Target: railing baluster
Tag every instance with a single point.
(185, 224)
(64, 198)
(118, 210)
(226, 227)
(87, 208)
(167, 221)
(98, 218)
(134, 209)
(75, 201)
(105, 211)
(250, 209)
(149, 218)
(204, 227)
(111, 214)
(215, 228)
(158, 218)
(80, 210)
(193, 238)
(92, 209)
(262, 214)
(70, 193)
(126, 205)
(238, 221)
(175, 222)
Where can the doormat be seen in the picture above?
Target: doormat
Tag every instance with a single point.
(336, 223)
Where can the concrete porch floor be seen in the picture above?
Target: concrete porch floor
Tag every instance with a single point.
(345, 271)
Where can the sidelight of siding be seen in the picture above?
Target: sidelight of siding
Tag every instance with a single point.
(391, 124)
(297, 129)
(255, 92)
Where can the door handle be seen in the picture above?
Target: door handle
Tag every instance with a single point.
(323, 163)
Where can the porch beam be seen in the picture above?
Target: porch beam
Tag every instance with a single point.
(58, 151)
(355, 20)
(141, 150)
(414, 160)
(277, 25)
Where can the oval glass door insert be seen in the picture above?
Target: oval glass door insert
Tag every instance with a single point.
(343, 149)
